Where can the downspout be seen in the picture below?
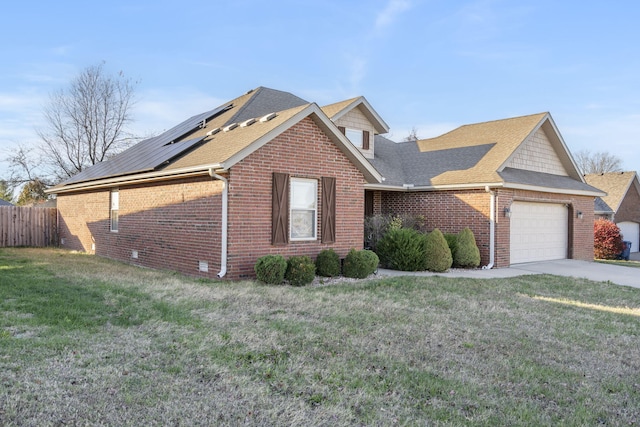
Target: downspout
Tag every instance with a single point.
(225, 214)
(492, 229)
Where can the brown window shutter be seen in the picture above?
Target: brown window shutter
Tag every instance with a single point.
(365, 139)
(328, 210)
(342, 129)
(280, 209)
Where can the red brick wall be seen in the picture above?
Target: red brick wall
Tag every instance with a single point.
(302, 151)
(629, 209)
(451, 211)
(172, 225)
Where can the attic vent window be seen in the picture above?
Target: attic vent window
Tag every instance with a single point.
(213, 131)
(232, 126)
(248, 123)
(267, 117)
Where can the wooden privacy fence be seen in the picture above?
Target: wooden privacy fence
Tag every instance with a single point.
(22, 226)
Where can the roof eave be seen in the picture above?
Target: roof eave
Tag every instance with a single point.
(135, 179)
(444, 187)
(555, 190)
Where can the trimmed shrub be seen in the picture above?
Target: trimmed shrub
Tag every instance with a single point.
(607, 241)
(438, 254)
(467, 253)
(301, 270)
(328, 263)
(403, 249)
(452, 241)
(271, 269)
(360, 264)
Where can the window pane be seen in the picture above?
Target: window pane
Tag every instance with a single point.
(114, 220)
(302, 224)
(355, 136)
(303, 194)
(115, 200)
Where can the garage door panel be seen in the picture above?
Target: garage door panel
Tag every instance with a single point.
(630, 232)
(539, 231)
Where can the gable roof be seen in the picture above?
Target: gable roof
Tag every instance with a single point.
(615, 184)
(339, 109)
(478, 155)
(600, 207)
(216, 139)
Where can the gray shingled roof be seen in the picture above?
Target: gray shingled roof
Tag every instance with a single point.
(153, 153)
(539, 179)
(600, 206)
(5, 203)
(403, 163)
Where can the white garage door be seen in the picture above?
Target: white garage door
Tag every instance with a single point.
(631, 232)
(539, 231)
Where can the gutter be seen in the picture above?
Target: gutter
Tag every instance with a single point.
(162, 175)
(225, 216)
(492, 229)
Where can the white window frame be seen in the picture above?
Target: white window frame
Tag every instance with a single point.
(293, 209)
(355, 136)
(114, 218)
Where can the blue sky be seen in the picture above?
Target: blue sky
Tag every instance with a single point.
(429, 64)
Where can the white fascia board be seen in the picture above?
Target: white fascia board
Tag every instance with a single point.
(554, 190)
(136, 179)
(381, 126)
(433, 187)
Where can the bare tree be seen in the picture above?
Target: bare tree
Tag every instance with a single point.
(84, 124)
(413, 135)
(599, 162)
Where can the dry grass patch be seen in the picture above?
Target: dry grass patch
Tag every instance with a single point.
(139, 347)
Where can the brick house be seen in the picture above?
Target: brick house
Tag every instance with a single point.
(621, 204)
(270, 173)
(512, 181)
(266, 173)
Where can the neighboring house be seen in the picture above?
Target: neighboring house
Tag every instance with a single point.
(5, 203)
(270, 173)
(623, 200)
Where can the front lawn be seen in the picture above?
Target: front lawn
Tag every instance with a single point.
(87, 341)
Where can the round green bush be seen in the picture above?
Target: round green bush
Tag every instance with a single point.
(301, 270)
(438, 254)
(467, 253)
(328, 263)
(452, 241)
(360, 264)
(403, 249)
(270, 269)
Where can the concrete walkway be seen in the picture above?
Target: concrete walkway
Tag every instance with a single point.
(627, 276)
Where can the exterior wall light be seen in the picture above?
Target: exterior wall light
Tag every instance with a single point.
(507, 212)
(579, 215)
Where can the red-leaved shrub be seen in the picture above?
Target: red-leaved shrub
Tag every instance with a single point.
(607, 242)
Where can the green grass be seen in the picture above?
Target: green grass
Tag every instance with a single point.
(635, 264)
(87, 341)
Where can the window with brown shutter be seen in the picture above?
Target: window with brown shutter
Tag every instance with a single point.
(328, 210)
(365, 139)
(280, 209)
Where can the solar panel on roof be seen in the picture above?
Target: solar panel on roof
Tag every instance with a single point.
(149, 154)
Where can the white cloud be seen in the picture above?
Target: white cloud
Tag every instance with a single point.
(391, 12)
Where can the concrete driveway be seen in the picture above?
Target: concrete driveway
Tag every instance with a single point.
(595, 271)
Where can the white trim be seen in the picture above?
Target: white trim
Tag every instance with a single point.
(135, 179)
(292, 208)
(225, 223)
